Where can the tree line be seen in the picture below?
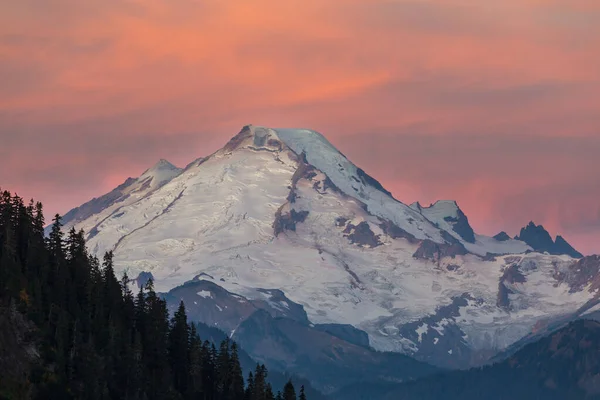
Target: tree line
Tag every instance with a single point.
(98, 340)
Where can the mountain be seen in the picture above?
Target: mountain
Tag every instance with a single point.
(564, 365)
(281, 212)
(277, 332)
(276, 378)
(502, 236)
(129, 192)
(540, 240)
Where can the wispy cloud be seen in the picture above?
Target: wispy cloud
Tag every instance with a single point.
(496, 104)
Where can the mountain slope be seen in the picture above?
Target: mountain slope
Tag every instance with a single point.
(95, 211)
(277, 332)
(283, 209)
(564, 365)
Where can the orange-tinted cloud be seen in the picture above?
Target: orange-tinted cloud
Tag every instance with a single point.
(496, 104)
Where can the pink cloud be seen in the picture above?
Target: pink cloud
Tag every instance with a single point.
(497, 102)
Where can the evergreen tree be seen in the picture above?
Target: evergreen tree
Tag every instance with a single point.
(289, 393)
(178, 349)
(302, 395)
(195, 387)
(96, 340)
(249, 394)
(236, 388)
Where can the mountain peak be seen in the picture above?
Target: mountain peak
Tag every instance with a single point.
(540, 240)
(447, 212)
(160, 173)
(502, 236)
(254, 137)
(160, 165)
(562, 246)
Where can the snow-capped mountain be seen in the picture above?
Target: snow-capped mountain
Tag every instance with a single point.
(282, 209)
(88, 215)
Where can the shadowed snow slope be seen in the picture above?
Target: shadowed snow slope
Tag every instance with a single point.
(283, 209)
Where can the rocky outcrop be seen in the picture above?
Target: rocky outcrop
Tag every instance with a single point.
(430, 250)
(395, 232)
(288, 221)
(213, 305)
(440, 341)
(460, 225)
(561, 246)
(368, 180)
(540, 240)
(237, 140)
(585, 273)
(510, 276)
(502, 237)
(362, 235)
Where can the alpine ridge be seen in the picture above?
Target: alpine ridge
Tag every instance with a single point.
(283, 211)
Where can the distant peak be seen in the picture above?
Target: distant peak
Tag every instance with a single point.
(416, 206)
(449, 212)
(540, 240)
(162, 163)
(532, 226)
(448, 208)
(502, 237)
(160, 166)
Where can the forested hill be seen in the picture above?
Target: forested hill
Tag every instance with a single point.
(564, 365)
(69, 329)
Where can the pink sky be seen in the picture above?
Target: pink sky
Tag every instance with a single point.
(494, 104)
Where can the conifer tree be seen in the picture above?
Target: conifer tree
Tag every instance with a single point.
(178, 349)
(195, 389)
(236, 389)
(289, 393)
(302, 395)
(96, 340)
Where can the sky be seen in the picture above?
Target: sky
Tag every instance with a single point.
(495, 104)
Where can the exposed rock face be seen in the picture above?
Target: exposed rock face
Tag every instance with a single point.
(341, 221)
(288, 221)
(429, 250)
(362, 235)
(234, 142)
(395, 232)
(437, 335)
(210, 304)
(510, 276)
(537, 237)
(368, 180)
(579, 275)
(460, 225)
(561, 246)
(502, 237)
(540, 240)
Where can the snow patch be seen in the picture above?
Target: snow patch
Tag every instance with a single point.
(422, 330)
(205, 294)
